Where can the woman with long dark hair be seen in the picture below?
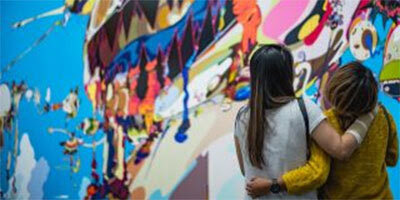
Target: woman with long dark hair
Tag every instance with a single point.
(271, 131)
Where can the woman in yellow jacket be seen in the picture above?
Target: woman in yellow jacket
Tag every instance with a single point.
(352, 91)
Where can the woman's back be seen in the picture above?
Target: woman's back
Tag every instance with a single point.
(285, 146)
(364, 175)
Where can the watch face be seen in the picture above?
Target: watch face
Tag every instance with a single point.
(275, 188)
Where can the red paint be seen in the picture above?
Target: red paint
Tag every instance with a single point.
(310, 39)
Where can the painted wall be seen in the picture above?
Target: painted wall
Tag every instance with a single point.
(137, 99)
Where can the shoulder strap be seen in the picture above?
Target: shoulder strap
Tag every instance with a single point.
(303, 110)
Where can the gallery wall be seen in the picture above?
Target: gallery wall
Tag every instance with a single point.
(137, 99)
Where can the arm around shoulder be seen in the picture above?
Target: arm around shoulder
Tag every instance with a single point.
(338, 146)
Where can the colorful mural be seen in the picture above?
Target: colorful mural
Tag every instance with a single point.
(136, 99)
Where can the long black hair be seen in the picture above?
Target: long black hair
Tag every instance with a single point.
(271, 71)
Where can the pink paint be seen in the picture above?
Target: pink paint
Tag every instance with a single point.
(282, 17)
(134, 102)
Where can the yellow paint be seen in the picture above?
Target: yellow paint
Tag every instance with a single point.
(162, 17)
(325, 5)
(309, 26)
(88, 7)
(101, 11)
(374, 39)
(91, 90)
(133, 132)
(69, 3)
(221, 23)
(77, 166)
(354, 23)
(148, 111)
(232, 76)
(119, 168)
(242, 85)
(199, 110)
(157, 118)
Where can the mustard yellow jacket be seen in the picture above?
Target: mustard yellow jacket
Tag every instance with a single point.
(363, 176)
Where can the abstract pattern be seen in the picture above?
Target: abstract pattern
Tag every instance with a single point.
(162, 82)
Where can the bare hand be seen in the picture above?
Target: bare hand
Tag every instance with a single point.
(257, 187)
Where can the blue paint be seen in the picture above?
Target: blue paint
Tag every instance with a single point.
(157, 195)
(126, 122)
(312, 92)
(368, 42)
(56, 63)
(243, 93)
(181, 136)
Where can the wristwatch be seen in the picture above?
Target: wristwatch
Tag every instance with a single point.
(275, 187)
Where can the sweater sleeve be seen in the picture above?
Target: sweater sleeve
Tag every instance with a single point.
(392, 154)
(310, 176)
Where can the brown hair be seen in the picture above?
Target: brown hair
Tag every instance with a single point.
(271, 71)
(352, 91)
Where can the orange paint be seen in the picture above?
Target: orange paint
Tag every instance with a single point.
(249, 15)
(138, 193)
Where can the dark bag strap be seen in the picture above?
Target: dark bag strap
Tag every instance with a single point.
(303, 110)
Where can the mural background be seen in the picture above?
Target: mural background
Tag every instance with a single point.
(119, 98)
